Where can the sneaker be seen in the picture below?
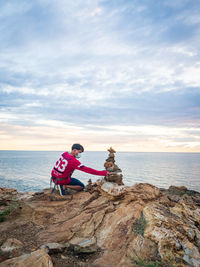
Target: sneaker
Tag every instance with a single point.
(61, 190)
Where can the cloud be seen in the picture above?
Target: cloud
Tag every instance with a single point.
(100, 64)
(10, 8)
(56, 135)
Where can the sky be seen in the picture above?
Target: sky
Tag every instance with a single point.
(101, 73)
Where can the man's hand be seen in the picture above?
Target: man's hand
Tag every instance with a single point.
(109, 173)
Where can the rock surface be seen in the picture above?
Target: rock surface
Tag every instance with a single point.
(11, 244)
(38, 258)
(109, 226)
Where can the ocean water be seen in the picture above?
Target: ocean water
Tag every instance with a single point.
(30, 170)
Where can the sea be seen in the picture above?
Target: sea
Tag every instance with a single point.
(30, 170)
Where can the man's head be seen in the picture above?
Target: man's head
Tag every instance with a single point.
(76, 149)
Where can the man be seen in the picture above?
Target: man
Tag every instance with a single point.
(65, 166)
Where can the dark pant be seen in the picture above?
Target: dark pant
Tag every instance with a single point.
(75, 181)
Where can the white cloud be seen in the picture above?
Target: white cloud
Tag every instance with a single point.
(33, 104)
(89, 12)
(23, 90)
(152, 130)
(11, 8)
(95, 54)
(55, 135)
(185, 51)
(6, 116)
(99, 57)
(190, 76)
(57, 123)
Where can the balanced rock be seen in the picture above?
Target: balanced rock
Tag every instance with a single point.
(110, 166)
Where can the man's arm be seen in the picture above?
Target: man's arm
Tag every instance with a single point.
(91, 171)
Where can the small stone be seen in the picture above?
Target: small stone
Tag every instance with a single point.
(11, 244)
(63, 257)
(53, 247)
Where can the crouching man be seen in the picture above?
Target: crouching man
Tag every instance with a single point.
(65, 166)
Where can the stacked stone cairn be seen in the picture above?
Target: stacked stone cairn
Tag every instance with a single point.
(110, 166)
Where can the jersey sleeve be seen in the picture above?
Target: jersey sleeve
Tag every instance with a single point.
(91, 171)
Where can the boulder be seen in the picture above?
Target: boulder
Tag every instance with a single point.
(38, 258)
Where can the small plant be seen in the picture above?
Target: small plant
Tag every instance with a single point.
(138, 261)
(6, 212)
(140, 225)
(143, 263)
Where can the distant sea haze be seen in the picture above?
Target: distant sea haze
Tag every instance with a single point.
(30, 170)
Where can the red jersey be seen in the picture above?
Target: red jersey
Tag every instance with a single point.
(66, 165)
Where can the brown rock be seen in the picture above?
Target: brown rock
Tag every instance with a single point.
(38, 258)
(109, 224)
(111, 150)
(11, 244)
(115, 178)
(171, 231)
(108, 164)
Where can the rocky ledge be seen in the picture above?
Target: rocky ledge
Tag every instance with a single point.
(107, 225)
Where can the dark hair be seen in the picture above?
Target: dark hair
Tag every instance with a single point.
(78, 147)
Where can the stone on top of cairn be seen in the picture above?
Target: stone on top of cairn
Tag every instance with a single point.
(110, 166)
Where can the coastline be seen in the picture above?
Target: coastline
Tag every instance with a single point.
(159, 169)
(104, 226)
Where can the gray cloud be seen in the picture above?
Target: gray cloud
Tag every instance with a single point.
(97, 64)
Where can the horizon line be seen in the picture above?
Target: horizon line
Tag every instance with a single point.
(188, 152)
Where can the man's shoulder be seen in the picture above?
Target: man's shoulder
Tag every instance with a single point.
(66, 154)
(69, 157)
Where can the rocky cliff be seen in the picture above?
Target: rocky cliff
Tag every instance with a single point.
(108, 226)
